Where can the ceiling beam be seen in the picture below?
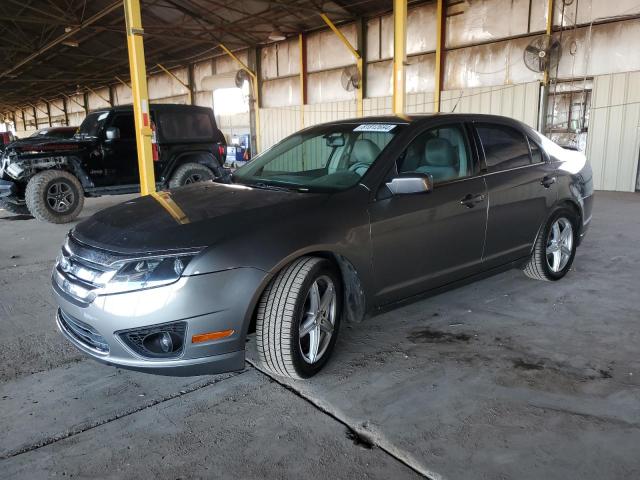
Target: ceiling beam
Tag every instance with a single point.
(63, 37)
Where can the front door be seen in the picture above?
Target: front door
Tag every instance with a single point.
(422, 241)
(120, 154)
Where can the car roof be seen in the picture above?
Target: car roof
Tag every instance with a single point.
(417, 119)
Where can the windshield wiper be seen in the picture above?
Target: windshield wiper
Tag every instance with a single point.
(265, 186)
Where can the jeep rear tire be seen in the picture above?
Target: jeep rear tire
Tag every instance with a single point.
(190, 173)
(14, 208)
(54, 196)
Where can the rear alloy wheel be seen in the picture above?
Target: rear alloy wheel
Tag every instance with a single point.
(190, 173)
(298, 318)
(54, 196)
(555, 248)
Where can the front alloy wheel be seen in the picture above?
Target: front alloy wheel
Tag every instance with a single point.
(298, 318)
(318, 320)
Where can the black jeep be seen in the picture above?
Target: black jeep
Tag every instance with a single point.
(50, 179)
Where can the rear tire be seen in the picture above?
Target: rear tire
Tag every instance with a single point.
(14, 208)
(54, 196)
(298, 318)
(555, 247)
(190, 173)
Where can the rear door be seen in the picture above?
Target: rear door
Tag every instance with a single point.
(521, 187)
(422, 241)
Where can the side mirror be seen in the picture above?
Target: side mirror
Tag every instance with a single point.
(411, 183)
(112, 133)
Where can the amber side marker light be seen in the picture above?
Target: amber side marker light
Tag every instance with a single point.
(206, 337)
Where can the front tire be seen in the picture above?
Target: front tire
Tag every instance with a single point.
(555, 247)
(190, 173)
(54, 196)
(298, 318)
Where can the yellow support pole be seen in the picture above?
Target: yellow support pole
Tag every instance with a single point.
(177, 80)
(550, 4)
(356, 55)
(399, 55)
(141, 112)
(255, 89)
(302, 47)
(439, 70)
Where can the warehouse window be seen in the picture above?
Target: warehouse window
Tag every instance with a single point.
(568, 112)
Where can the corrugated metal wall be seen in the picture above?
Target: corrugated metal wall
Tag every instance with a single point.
(613, 146)
(516, 101)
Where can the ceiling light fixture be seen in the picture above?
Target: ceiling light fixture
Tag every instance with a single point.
(277, 35)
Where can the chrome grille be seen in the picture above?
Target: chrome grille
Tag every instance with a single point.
(83, 333)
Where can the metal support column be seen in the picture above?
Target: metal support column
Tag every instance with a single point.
(440, 39)
(35, 117)
(356, 55)
(302, 47)
(141, 113)
(256, 93)
(48, 112)
(399, 55)
(191, 80)
(185, 85)
(65, 111)
(544, 88)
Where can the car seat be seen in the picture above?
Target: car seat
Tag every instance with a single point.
(440, 160)
(363, 154)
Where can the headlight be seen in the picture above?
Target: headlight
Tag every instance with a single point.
(146, 273)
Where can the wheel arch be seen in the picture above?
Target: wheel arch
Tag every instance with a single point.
(564, 203)
(354, 300)
(202, 157)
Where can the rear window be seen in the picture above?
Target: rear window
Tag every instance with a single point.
(504, 146)
(186, 125)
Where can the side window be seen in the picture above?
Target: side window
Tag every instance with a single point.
(536, 153)
(441, 152)
(124, 122)
(504, 146)
(182, 125)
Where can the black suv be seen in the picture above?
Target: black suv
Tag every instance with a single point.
(50, 179)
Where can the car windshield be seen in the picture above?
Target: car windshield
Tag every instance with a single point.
(325, 158)
(92, 124)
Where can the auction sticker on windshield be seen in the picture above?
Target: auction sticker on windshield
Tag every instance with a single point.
(374, 127)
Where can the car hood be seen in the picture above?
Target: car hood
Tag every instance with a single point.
(198, 215)
(35, 146)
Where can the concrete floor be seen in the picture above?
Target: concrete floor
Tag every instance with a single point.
(504, 378)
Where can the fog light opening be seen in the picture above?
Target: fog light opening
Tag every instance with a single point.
(162, 343)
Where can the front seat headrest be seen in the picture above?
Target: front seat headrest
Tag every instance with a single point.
(364, 151)
(439, 152)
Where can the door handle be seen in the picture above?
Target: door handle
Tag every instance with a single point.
(547, 181)
(471, 200)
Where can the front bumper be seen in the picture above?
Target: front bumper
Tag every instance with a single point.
(207, 303)
(7, 188)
